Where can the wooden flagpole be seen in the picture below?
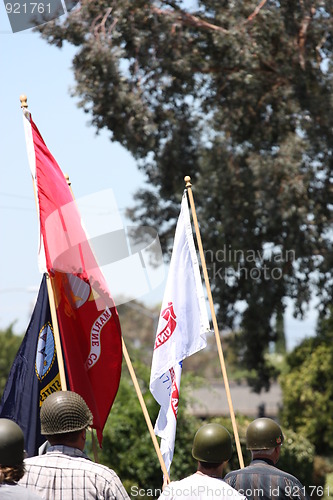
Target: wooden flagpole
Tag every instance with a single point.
(57, 340)
(188, 186)
(146, 414)
(55, 326)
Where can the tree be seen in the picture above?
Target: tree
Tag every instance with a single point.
(9, 345)
(239, 96)
(307, 389)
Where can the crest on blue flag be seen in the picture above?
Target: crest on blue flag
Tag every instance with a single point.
(46, 353)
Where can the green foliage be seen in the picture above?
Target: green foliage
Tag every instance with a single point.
(297, 457)
(240, 98)
(280, 344)
(308, 391)
(9, 345)
(329, 485)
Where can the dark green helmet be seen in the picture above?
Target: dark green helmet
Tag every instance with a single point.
(212, 443)
(263, 434)
(11, 443)
(64, 411)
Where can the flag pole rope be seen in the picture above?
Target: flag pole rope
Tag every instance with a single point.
(188, 186)
(61, 366)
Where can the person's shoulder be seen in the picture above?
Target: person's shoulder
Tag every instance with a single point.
(230, 492)
(186, 480)
(290, 477)
(90, 467)
(170, 491)
(254, 468)
(198, 483)
(102, 470)
(16, 491)
(81, 465)
(232, 473)
(58, 459)
(273, 470)
(36, 459)
(266, 469)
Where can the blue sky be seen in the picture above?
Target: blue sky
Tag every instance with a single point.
(30, 66)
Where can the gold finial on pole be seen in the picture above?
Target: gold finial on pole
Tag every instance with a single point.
(69, 184)
(187, 180)
(67, 179)
(23, 99)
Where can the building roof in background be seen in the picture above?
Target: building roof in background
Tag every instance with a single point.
(211, 400)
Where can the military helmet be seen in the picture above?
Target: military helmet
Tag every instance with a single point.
(11, 443)
(263, 434)
(64, 411)
(212, 443)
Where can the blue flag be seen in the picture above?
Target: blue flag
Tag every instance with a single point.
(34, 374)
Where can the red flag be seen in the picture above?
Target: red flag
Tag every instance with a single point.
(87, 316)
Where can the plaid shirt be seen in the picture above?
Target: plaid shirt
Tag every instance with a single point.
(262, 480)
(66, 473)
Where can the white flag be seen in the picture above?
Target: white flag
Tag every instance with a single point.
(181, 330)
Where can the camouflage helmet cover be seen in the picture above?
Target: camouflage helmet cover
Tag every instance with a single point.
(63, 412)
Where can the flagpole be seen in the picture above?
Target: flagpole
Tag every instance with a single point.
(57, 340)
(145, 413)
(188, 186)
(138, 392)
(61, 366)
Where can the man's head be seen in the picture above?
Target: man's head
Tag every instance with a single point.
(264, 438)
(212, 445)
(64, 416)
(11, 451)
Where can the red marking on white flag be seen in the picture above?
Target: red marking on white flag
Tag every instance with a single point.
(169, 315)
(174, 393)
